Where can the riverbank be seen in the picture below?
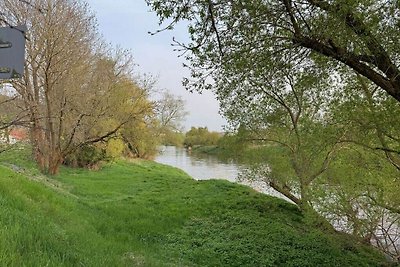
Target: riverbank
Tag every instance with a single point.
(141, 213)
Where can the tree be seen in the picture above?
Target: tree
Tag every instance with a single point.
(76, 91)
(360, 197)
(263, 60)
(141, 133)
(201, 137)
(288, 120)
(5, 19)
(368, 171)
(246, 37)
(142, 136)
(303, 148)
(369, 112)
(171, 112)
(51, 72)
(12, 112)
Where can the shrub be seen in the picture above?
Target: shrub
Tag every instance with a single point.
(87, 156)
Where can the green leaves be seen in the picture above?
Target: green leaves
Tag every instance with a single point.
(255, 39)
(285, 71)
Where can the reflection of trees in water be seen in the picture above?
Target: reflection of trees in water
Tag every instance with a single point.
(356, 215)
(387, 234)
(359, 217)
(198, 165)
(218, 158)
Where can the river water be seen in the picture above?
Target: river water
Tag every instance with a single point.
(199, 166)
(202, 166)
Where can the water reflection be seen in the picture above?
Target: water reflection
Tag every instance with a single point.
(204, 167)
(199, 166)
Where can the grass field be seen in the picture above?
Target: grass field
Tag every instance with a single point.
(141, 213)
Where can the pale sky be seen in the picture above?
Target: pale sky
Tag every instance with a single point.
(126, 23)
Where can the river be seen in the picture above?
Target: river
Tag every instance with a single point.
(202, 166)
(199, 166)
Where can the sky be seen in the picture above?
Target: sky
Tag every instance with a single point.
(126, 23)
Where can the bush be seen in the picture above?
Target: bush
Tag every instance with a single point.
(115, 148)
(87, 156)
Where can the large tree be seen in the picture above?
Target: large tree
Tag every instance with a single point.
(251, 35)
(288, 120)
(59, 43)
(263, 59)
(76, 91)
(171, 112)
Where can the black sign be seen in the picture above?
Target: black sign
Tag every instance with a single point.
(12, 52)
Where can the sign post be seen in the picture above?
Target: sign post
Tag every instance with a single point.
(12, 52)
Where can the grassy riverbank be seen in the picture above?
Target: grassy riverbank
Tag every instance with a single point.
(141, 213)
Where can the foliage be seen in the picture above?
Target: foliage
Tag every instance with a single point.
(369, 113)
(234, 142)
(115, 148)
(92, 155)
(273, 66)
(353, 204)
(148, 214)
(251, 39)
(77, 91)
(81, 92)
(12, 115)
(201, 137)
(287, 116)
(171, 112)
(172, 138)
(87, 156)
(367, 172)
(141, 137)
(11, 111)
(50, 84)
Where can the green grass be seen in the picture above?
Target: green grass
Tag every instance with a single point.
(146, 214)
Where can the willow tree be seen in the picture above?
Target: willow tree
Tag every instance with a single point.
(287, 119)
(244, 51)
(250, 35)
(366, 189)
(237, 42)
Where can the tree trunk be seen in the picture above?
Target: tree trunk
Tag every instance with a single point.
(311, 215)
(55, 161)
(36, 135)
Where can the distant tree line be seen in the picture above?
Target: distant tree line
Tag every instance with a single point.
(201, 136)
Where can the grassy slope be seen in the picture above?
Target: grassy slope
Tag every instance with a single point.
(147, 214)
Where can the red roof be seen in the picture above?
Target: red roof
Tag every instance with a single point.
(19, 133)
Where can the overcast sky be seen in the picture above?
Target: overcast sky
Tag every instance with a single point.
(127, 23)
